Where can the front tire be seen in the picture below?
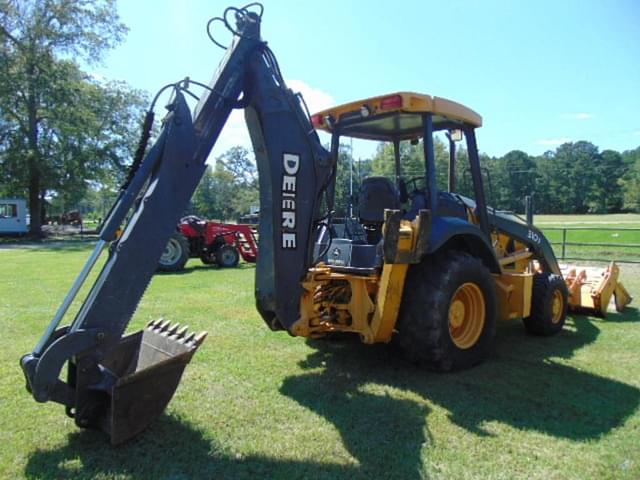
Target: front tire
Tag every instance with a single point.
(549, 305)
(208, 258)
(175, 254)
(448, 314)
(227, 256)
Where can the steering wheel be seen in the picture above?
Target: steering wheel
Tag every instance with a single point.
(413, 186)
(191, 219)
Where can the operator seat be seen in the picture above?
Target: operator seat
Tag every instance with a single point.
(195, 222)
(376, 195)
(449, 205)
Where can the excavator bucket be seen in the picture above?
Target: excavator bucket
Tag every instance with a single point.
(591, 289)
(147, 366)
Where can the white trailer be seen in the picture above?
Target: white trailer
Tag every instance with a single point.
(13, 216)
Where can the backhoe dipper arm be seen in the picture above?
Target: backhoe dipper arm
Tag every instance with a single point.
(294, 173)
(121, 384)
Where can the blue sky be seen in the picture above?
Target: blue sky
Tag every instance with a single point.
(539, 72)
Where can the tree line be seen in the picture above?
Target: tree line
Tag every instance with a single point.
(575, 178)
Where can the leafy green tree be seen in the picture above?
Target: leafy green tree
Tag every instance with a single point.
(630, 182)
(237, 161)
(61, 127)
(237, 167)
(412, 162)
(607, 193)
(228, 189)
(544, 177)
(349, 176)
(568, 176)
(515, 178)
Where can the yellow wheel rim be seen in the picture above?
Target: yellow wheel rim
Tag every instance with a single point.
(557, 307)
(466, 315)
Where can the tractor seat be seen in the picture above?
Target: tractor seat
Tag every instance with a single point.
(376, 195)
(196, 223)
(448, 206)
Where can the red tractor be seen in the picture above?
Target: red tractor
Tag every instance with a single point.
(216, 243)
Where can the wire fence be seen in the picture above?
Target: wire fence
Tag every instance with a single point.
(594, 243)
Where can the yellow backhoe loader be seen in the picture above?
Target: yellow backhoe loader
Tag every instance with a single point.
(426, 268)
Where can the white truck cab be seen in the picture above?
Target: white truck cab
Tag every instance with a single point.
(13, 216)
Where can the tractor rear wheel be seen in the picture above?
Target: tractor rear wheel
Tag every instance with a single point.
(448, 314)
(549, 305)
(175, 254)
(227, 256)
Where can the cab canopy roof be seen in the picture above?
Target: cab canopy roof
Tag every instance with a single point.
(396, 116)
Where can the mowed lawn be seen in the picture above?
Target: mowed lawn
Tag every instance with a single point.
(611, 232)
(261, 404)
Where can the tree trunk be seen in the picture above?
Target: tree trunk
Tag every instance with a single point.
(33, 162)
(43, 207)
(35, 227)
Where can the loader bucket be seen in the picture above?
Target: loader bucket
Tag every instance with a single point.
(591, 289)
(148, 366)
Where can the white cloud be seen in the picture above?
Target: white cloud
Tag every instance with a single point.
(235, 131)
(577, 116)
(316, 99)
(553, 141)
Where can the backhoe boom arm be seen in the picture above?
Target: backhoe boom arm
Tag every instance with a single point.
(121, 384)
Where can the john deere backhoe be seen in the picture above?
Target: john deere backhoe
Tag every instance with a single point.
(430, 270)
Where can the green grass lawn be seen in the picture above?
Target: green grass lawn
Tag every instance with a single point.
(616, 219)
(258, 404)
(594, 229)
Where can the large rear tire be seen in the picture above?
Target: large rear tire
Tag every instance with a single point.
(175, 254)
(549, 305)
(448, 314)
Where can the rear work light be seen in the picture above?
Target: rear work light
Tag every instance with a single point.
(392, 101)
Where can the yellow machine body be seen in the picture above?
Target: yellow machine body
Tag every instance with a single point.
(335, 300)
(363, 304)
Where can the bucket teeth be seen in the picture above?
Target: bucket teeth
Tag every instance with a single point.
(200, 338)
(189, 338)
(159, 325)
(182, 332)
(176, 332)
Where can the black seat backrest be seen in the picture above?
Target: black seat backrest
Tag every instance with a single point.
(451, 206)
(377, 194)
(448, 205)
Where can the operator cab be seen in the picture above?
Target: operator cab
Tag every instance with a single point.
(355, 244)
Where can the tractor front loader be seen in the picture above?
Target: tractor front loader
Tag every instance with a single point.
(424, 267)
(591, 289)
(213, 242)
